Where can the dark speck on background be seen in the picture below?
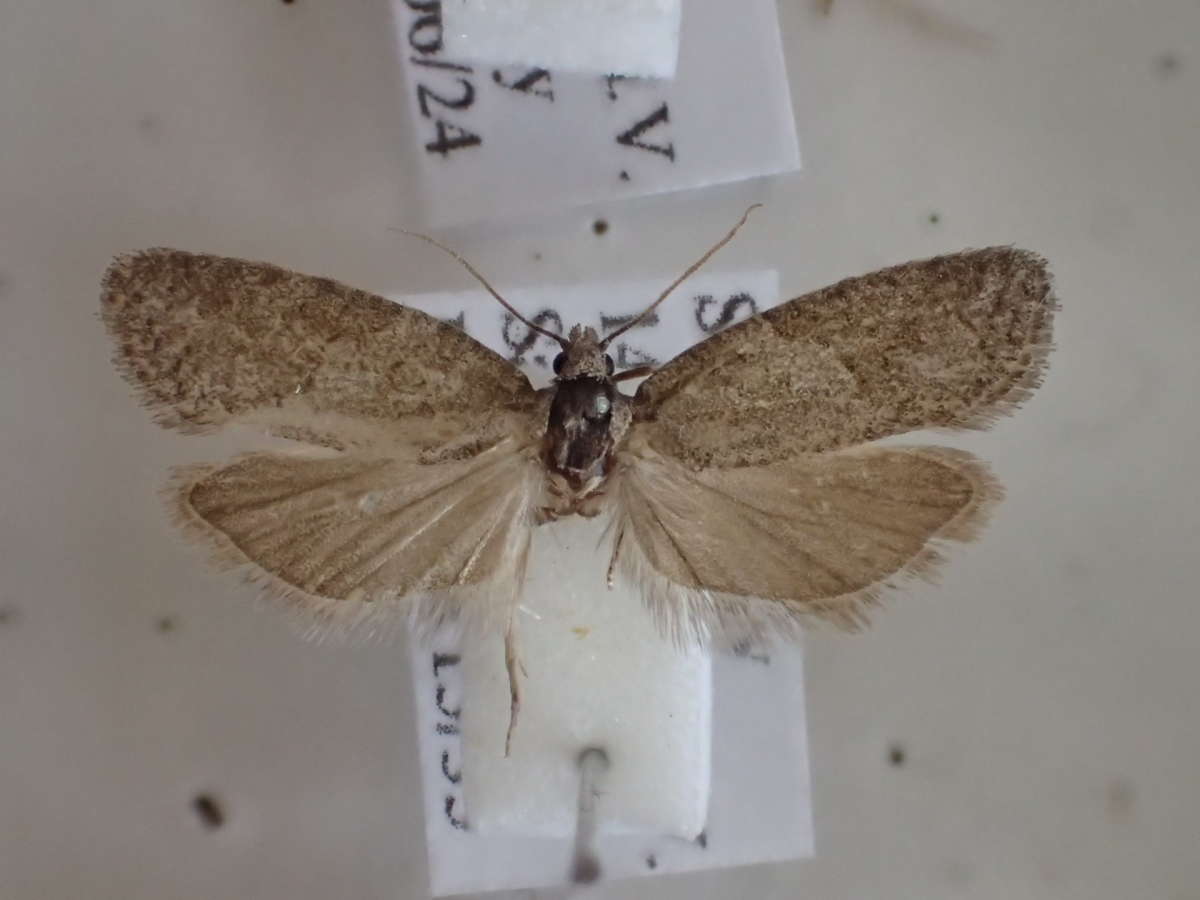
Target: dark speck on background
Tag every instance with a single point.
(896, 755)
(149, 126)
(166, 624)
(1168, 64)
(208, 810)
(600, 227)
(959, 873)
(651, 861)
(935, 218)
(1119, 799)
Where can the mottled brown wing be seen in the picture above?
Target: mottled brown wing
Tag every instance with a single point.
(423, 509)
(354, 539)
(741, 551)
(209, 340)
(948, 342)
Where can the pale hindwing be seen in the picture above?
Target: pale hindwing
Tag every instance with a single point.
(208, 340)
(735, 553)
(362, 540)
(948, 342)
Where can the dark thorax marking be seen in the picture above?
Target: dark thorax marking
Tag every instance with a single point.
(578, 431)
(587, 418)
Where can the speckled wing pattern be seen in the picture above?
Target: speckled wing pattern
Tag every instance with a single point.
(746, 496)
(412, 474)
(942, 343)
(207, 340)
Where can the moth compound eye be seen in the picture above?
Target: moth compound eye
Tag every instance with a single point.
(609, 365)
(600, 406)
(558, 362)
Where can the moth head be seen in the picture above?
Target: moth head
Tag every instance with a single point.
(583, 357)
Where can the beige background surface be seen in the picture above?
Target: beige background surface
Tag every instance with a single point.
(1042, 699)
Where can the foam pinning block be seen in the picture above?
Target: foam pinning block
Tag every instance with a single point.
(599, 675)
(626, 37)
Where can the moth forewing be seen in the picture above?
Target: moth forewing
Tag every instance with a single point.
(206, 339)
(949, 342)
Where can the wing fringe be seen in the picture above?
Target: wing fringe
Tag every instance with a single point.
(1040, 345)
(113, 304)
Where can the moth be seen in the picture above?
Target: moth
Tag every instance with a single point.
(744, 487)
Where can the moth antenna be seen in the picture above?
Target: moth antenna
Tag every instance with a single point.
(562, 342)
(687, 274)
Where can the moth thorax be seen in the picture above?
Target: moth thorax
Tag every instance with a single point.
(578, 433)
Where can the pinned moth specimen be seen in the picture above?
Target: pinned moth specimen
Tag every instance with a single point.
(743, 485)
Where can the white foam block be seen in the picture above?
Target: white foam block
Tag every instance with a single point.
(759, 810)
(495, 143)
(599, 675)
(494, 824)
(630, 37)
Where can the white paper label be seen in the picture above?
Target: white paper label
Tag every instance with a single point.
(632, 37)
(501, 142)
